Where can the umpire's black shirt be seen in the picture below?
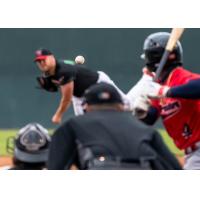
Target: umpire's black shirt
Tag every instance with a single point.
(83, 78)
(107, 133)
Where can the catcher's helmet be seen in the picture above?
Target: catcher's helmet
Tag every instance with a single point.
(31, 144)
(154, 46)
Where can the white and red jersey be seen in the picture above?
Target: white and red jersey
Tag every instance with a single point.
(181, 117)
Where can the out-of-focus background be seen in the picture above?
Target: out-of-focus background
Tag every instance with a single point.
(115, 51)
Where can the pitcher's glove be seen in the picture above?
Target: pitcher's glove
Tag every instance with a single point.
(46, 84)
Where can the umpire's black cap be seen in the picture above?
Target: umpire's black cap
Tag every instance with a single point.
(102, 93)
(41, 54)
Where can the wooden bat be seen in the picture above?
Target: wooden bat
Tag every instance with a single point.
(174, 37)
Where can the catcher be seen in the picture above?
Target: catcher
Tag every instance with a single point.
(30, 147)
(72, 80)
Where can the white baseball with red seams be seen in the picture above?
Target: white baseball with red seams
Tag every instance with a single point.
(79, 59)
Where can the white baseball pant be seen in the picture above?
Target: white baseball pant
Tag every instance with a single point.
(103, 77)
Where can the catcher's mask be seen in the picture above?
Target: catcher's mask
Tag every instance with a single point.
(31, 144)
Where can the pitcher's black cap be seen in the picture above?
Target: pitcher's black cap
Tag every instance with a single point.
(41, 54)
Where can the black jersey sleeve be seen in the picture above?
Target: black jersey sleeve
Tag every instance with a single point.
(65, 73)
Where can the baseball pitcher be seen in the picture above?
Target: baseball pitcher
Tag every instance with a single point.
(71, 79)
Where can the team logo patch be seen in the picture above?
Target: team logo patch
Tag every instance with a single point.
(38, 52)
(186, 131)
(170, 109)
(104, 95)
(59, 81)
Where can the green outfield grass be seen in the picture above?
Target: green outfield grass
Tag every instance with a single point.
(4, 134)
(170, 143)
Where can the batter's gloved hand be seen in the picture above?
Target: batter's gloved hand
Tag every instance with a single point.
(46, 84)
(156, 91)
(141, 106)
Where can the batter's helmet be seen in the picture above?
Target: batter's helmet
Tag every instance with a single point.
(154, 46)
(31, 144)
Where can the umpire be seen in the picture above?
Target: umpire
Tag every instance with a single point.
(107, 137)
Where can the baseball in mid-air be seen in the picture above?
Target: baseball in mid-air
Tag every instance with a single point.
(79, 59)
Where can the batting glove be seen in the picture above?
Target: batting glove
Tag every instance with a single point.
(156, 91)
(141, 106)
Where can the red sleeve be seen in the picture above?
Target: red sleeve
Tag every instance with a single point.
(180, 76)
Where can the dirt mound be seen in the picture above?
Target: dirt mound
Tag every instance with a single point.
(5, 160)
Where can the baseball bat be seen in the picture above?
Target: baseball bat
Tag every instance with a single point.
(174, 37)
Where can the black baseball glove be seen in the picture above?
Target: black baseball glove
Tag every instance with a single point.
(46, 84)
